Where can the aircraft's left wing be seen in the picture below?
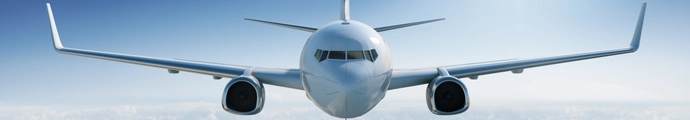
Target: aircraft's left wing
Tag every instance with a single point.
(281, 77)
(411, 77)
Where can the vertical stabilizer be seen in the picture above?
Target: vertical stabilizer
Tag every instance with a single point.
(345, 10)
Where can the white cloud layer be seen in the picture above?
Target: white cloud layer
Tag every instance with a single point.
(212, 111)
(199, 111)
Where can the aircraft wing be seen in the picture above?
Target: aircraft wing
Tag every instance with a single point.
(280, 77)
(411, 77)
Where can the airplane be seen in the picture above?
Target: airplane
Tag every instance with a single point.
(345, 69)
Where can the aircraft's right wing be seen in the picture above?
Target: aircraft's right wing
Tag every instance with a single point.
(411, 77)
(280, 77)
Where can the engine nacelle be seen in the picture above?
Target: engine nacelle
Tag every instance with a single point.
(446, 95)
(244, 95)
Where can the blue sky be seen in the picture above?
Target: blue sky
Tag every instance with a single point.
(36, 82)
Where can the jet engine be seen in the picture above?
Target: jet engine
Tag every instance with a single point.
(446, 95)
(244, 95)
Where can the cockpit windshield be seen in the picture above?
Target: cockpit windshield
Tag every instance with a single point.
(369, 55)
(355, 55)
(337, 55)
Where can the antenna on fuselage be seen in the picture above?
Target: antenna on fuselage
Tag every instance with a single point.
(345, 10)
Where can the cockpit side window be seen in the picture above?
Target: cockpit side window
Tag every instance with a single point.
(368, 55)
(351, 55)
(374, 55)
(337, 55)
(317, 55)
(324, 54)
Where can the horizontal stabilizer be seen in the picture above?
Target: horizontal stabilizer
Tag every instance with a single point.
(302, 28)
(381, 29)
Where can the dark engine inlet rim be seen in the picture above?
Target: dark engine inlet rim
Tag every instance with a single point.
(449, 97)
(241, 97)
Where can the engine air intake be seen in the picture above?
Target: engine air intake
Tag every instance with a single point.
(449, 97)
(241, 97)
(446, 95)
(244, 95)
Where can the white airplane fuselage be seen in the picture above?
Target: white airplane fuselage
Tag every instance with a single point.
(345, 88)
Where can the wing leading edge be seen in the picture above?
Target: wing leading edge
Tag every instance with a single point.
(472, 71)
(279, 77)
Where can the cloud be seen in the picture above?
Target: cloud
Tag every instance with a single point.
(393, 110)
(190, 110)
(198, 110)
(525, 110)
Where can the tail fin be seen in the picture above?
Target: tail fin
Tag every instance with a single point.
(345, 10)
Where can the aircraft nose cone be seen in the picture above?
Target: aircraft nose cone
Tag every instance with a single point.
(351, 77)
(358, 79)
(355, 86)
(349, 97)
(344, 89)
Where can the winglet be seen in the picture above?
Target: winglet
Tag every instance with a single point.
(345, 10)
(302, 28)
(635, 44)
(56, 36)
